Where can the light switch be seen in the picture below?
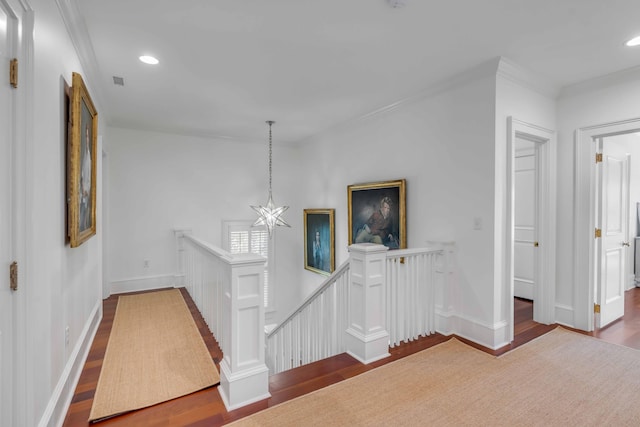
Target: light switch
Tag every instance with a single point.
(477, 223)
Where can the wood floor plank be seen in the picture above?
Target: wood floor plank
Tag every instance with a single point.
(205, 408)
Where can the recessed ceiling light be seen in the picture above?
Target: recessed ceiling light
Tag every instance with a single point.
(148, 59)
(634, 41)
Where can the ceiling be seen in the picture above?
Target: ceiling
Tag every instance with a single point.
(228, 66)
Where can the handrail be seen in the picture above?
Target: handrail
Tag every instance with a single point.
(323, 287)
(399, 253)
(221, 253)
(226, 256)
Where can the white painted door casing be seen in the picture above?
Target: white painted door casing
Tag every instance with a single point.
(8, 29)
(545, 259)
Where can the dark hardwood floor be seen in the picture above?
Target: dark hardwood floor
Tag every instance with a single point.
(205, 408)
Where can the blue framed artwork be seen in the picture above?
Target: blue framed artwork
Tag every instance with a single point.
(319, 240)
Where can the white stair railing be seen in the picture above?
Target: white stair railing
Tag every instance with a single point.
(228, 290)
(376, 299)
(205, 269)
(411, 277)
(315, 330)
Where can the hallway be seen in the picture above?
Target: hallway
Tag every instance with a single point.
(205, 408)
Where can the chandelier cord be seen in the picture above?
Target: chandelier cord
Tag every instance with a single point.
(270, 215)
(270, 166)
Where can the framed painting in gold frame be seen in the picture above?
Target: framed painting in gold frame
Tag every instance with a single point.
(81, 164)
(319, 240)
(377, 213)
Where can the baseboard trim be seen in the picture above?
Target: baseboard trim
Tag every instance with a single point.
(60, 400)
(564, 315)
(489, 336)
(146, 283)
(444, 321)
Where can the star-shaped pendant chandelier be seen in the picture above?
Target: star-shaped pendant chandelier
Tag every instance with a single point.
(270, 215)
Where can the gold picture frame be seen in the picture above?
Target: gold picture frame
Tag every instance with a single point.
(377, 213)
(319, 240)
(81, 164)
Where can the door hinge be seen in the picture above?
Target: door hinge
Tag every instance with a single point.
(13, 276)
(13, 73)
(598, 233)
(596, 308)
(598, 157)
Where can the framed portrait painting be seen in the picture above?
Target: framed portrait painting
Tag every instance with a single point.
(377, 213)
(319, 240)
(81, 164)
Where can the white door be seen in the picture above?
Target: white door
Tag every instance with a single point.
(6, 306)
(614, 242)
(525, 216)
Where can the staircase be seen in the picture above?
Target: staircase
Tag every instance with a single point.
(376, 300)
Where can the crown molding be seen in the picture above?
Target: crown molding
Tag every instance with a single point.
(484, 70)
(602, 82)
(525, 78)
(186, 133)
(498, 66)
(77, 29)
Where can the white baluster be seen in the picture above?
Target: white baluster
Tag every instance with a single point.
(414, 283)
(432, 292)
(425, 301)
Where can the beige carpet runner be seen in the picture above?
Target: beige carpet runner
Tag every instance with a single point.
(155, 353)
(560, 379)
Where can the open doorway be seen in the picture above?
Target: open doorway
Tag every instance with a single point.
(604, 221)
(525, 238)
(531, 219)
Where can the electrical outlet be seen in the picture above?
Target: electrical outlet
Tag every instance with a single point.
(66, 336)
(146, 263)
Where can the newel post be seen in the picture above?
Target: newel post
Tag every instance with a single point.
(244, 376)
(367, 338)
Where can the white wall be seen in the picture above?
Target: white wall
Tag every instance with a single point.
(605, 100)
(527, 98)
(64, 284)
(443, 145)
(450, 145)
(159, 182)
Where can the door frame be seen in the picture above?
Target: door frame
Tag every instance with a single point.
(584, 214)
(545, 269)
(21, 188)
(8, 324)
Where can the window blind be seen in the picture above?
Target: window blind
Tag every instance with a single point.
(245, 239)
